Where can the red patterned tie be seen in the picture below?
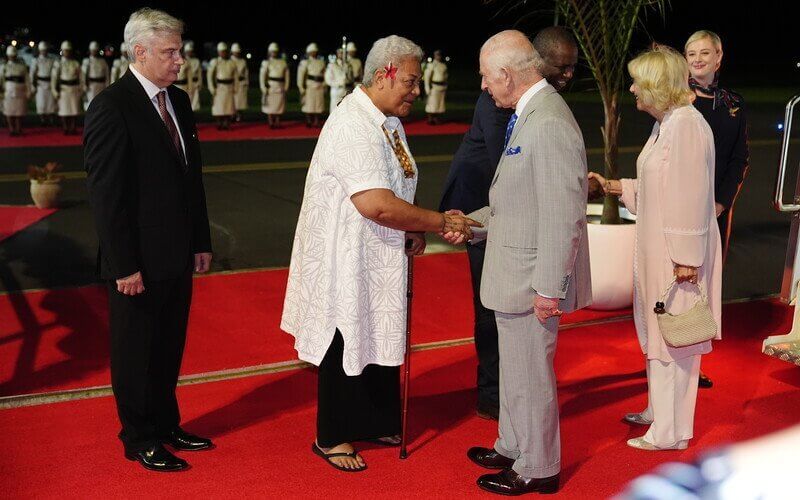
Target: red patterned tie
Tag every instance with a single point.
(170, 123)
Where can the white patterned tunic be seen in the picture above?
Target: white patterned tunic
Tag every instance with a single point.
(346, 271)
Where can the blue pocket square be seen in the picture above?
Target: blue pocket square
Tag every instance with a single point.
(513, 151)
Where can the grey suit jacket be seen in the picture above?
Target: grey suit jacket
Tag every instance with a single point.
(535, 224)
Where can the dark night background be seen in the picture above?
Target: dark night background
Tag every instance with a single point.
(759, 38)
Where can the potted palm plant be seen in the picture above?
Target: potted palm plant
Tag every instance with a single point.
(603, 30)
(45, 184)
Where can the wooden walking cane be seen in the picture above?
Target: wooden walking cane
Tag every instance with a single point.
(407, 362)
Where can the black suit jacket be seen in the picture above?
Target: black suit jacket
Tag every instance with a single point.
(149, 207)
(474, 164)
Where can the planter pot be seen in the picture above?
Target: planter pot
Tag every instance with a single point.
(611, 257)
(45, 194)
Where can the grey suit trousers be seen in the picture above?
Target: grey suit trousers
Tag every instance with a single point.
(528, 428)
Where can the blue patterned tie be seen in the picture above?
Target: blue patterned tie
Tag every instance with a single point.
(510, 128)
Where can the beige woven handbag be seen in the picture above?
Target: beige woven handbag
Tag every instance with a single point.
(691, 327)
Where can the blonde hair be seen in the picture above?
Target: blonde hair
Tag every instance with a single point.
(716, 41)
(146, 23)
(661, 75)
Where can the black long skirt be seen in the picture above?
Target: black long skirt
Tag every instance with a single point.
(358, 408)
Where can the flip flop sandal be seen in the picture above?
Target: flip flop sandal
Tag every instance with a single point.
(327, 457)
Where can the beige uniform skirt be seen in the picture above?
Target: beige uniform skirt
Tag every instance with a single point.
(45, 102)
(69, 100)
(275, 99)
(224, 104)
(15, 102)
(314, 100)
(435, 102)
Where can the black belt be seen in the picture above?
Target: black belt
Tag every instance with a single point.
(225, 82)
(273, 79)
(68, 82)
(96, 80)
(439, 83)
(42, 78)
(315, 78)
(15, 79)
(181, 82)
(242, 78)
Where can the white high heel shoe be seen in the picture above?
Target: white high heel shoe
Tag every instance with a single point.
(643, 444)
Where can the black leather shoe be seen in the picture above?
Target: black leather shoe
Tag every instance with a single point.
(487, 411)
(704, 382)
(183, 441)
(510, 483)
(157, 458)
(488, 458)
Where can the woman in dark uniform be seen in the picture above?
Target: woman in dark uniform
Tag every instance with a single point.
(725, 112)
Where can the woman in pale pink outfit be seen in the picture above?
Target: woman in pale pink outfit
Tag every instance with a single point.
(676, 238)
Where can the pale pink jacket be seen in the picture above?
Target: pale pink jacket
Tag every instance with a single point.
(673, 199)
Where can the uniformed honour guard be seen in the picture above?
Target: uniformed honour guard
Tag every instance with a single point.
(356, 66)
(336, 77)
(184, 81)
(222, 76)
(435, 77)
(120, 64)
(41, 70)
(194, 73)
(15, 82)
(67, 86)
(311, 83)
(95, 73)
(273, 78)
(242, 81)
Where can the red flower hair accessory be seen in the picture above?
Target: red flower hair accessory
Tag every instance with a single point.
(390, 70)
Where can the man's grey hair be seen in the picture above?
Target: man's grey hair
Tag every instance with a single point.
(512, 50)
(391, 49)
(146, 23)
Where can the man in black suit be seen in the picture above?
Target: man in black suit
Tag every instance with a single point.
(467, 189)
(145, 185)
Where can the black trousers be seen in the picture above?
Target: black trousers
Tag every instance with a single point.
(485, 333)
(349, 409)
(148, 334)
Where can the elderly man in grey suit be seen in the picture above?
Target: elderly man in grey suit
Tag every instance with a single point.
(537, 261)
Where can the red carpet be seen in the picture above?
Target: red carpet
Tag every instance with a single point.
(57, 339)
(46, 137)
(263, 426)
(14, 219)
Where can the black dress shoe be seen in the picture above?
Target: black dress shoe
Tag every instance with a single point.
(488, 411)
(510, 483)
(183, 441)
(157, 458)
(488, 458)
(704, 382)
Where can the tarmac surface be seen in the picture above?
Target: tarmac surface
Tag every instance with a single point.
(254, 191)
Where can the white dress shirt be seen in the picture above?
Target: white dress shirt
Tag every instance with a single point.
(346, 271)
(526, 97)
(152, 91)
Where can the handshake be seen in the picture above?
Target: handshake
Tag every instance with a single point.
(457, 227)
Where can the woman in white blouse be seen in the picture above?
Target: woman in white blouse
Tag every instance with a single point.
(676, 238)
